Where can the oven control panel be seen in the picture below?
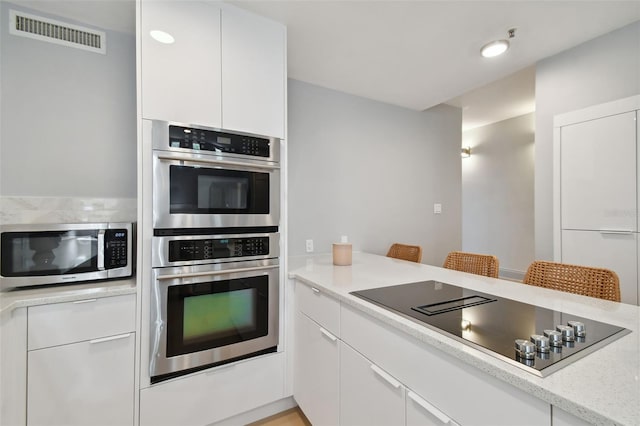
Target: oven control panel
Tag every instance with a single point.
(187, 250)
(218, 142)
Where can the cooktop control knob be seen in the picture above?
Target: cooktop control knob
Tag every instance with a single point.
(555, 338)
(525, 349)
(541, 342)
(578, 328)
(567, 333)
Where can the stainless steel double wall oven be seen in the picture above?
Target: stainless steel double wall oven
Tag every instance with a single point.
(215, 248)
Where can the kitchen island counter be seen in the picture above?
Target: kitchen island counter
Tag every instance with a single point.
(602, 388)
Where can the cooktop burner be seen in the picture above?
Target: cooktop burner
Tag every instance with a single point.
(536, 339)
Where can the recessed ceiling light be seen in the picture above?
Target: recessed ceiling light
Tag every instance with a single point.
(497, 47)
(161, 36)
(494, 48)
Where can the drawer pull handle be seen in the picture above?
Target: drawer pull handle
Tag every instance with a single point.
(393, 382)
(329, 335)
(616, 231)
(110, 338)
(429, 408)
(315, 290)
(77, 302)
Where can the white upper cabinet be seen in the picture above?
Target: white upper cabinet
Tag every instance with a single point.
(253, 73)
(226, 68)
(181, 81)
(598, 174)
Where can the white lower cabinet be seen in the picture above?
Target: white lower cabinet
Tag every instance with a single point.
(368, 394)
(216, 394)
(316, 371)
(80, 362)
(85, 383)
(562, 418)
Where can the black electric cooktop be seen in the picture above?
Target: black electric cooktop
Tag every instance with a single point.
(497, 325)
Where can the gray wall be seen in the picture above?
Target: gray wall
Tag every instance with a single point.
(68, 117)
(601, 70)
(372, 171)
(497, 193)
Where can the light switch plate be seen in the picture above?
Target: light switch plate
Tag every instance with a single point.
(437, 208)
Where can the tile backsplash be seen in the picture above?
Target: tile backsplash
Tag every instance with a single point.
(20, 210)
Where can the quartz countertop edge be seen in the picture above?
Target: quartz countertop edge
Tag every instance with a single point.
(339, 281)
(22, 298)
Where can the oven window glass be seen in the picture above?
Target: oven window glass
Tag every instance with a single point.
(49, 253)
(218, 313)
(205, 190)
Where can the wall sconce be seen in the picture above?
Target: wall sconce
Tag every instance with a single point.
(465, 152)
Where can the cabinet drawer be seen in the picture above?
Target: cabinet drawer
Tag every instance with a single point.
(213, 395)
(320, 307)
(463, 392)
(69, 322)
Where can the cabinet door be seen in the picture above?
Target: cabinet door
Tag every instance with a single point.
(181, 81)
(316, 371)
(85, 383)
(253, 73)
(598, 174)
(615, 251)
(368, 394)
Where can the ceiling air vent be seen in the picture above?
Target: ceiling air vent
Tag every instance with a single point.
(45, 29)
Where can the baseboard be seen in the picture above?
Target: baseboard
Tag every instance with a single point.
(259, 413)
(511, 274)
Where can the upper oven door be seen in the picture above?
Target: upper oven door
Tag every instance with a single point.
(209, 191)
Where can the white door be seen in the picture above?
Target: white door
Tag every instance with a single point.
(601, 249)
(316, 371)
(598, 174)
(85, 383)
(368, 394)
(181, 80)
(253, 73)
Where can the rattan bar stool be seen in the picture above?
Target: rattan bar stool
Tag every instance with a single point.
(585, 280)
(405, 252)
(479, 264)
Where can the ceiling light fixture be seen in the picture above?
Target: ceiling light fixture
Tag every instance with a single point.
(161, 36)
(497, 47)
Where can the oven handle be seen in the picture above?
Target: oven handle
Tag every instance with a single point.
(220, 162)
(208, 273)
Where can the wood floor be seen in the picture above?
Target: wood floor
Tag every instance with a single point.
(291, 417)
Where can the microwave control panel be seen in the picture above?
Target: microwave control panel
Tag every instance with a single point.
(218, 142)
(115, 248)
(186, 250)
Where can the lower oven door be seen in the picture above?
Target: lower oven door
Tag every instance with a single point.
(211, 314)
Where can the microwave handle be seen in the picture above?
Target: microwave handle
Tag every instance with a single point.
(101, 249)
(216, 162)
(211, 273)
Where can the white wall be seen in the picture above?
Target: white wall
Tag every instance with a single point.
(68, 117)
(372, 171)
(600, 70)
(497, 193)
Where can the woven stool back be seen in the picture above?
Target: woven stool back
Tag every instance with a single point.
(479, 264)
(585, 280)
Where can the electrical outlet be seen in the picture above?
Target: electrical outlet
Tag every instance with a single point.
(309, 244)
(437, 208)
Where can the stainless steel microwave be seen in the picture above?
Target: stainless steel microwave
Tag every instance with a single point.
(209, 178)
(40, 254)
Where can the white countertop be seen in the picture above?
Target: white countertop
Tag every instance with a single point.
(21, 298)
(602, 388)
